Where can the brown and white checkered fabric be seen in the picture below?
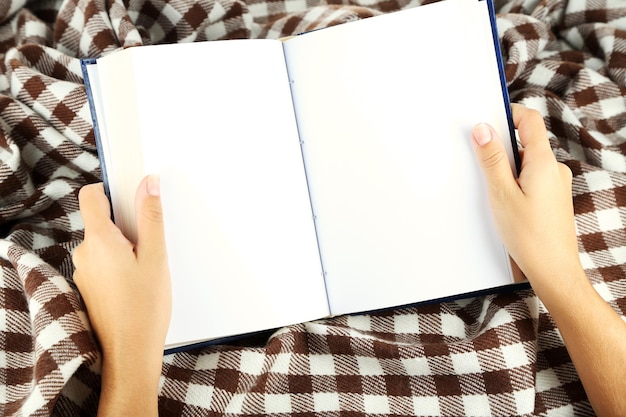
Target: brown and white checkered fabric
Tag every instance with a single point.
(496, 355)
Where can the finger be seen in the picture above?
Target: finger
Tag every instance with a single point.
(149, 214)
(516, 271)
(493, 160)
(566, 174)
(94, 208)
(77, 258)
(532, 131)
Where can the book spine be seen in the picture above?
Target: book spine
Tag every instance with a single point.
(304, 165)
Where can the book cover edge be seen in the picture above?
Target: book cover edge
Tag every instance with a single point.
(84, 63)
(503, 289)
(503, 83)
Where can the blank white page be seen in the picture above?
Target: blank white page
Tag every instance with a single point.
(385, 108)
(217, 123)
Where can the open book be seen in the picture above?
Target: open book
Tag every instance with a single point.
(327, 174)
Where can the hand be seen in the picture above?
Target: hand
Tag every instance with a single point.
(534, 214)
(535, 218)
(126, 289)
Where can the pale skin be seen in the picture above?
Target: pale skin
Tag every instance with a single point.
(535, 218)
(126, 286)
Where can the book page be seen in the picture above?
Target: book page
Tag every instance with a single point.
(121, 159)
(385, 108)
(216, 122)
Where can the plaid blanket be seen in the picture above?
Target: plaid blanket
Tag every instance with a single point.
(494, 355)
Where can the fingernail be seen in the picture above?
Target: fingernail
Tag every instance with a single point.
(481, 134)
(153, 185)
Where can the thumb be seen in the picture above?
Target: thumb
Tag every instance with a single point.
(149, 215)
(493, 160)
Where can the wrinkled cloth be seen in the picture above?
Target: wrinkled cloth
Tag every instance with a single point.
(495, 355)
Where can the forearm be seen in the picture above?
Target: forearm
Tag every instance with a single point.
(595, 337)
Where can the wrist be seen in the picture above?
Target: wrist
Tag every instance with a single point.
(561, 292)
(130, 384)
